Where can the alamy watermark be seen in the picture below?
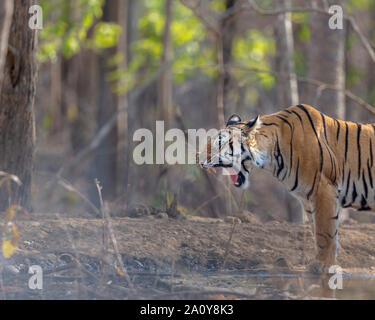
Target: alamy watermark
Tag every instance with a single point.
(336, 21)
(174, 147)
(36, 20)
(36, 280)
(335, 282)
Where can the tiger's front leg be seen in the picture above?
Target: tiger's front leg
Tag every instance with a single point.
(325, 219)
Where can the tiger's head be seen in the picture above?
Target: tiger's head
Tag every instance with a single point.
(238, 148)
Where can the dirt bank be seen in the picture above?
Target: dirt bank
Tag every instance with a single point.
(182, 247)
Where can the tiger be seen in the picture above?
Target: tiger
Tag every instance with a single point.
(328, 164)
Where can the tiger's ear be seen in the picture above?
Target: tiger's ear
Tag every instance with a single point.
(253, 122)
(234, 118)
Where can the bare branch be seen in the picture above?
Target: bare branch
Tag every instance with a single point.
(253, 5)
(321, 86)
(213, 27)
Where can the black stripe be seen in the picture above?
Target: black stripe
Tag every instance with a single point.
(220, 161)
(324, 126)
(312, 188)
(337, 215)
(364, 206)
(371, 154)
(354, 193)
(296, 181)
(231, 147)
(364, 184)
(333, 165)
(369, 174)
(338, 129)
(299, 117)
(290, 144)
(285, 120)
(243, 165)
(316, 135)
(359, 149)
(346, 140)
(279, 158)
(286, 110)
(270, 124)
(346, 190)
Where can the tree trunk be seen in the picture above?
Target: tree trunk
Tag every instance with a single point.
(6, 13)
(326, 62)
(123, 121)
(165, 80)
(105, 162)
(287, 89)
(228, 32)
(17, 120)
(83, 125)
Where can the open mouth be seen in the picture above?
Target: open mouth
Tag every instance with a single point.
(237, 177)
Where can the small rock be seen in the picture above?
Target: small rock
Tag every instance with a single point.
(349, 221)
(247, 217)
(283, 263)
(204, 219)
(232, 220)
(11, 269)
(162, 215)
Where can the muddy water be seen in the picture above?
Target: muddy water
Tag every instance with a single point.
(285, 286)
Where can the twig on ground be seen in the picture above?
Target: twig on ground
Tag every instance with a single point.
(107, 218)
(203, 292)
(228, 244)
(66, 185)
(200, 207)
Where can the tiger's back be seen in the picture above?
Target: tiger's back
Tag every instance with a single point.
(341, 151)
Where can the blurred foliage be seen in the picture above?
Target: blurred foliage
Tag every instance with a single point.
(254, 51)
(10, 234)
(67, 25)
(355, 5)
(70, 26)
(301, 25)
(187, 35)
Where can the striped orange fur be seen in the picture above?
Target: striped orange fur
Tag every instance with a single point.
(326, 163)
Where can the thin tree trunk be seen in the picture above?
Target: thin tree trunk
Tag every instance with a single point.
(123, 154)
(165, 80)
(56, 95)
(228, 31)
(83, 125)
(224, 58)
(287, 89)
(6, 13)
(326, 62)
(220, 83)
(17, 120)
(105, 163)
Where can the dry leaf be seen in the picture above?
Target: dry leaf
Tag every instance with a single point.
(8, 248)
